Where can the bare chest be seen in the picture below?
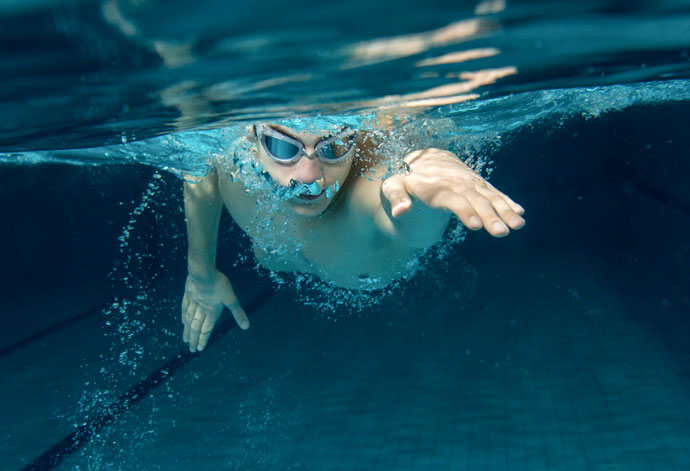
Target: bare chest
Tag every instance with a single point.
(347, 259)
(349, 252)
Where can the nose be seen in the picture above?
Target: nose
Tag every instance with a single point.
(308, 170)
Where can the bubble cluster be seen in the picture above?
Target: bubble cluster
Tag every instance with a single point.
(132, 340)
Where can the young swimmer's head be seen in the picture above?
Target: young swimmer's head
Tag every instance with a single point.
(311, 167)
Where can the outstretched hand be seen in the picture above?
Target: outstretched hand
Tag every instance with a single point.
(202, 304)
(440, 180)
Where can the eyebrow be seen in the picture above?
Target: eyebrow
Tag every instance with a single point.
(283, 130)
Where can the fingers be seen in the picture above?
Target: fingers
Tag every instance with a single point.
(202, 305)
(185, 333)
(508, 211)
(199, 322)
(200, 328)
(393, 189)
(187, 315)
(490, 220)
(461, 207)
(195, 329)
(512, 204)
(477, 209)
(206, 329)
(185, 303)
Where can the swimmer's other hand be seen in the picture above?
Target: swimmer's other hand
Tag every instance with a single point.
(202, 304)
(440, 180)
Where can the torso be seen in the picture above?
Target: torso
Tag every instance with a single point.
(344, 246)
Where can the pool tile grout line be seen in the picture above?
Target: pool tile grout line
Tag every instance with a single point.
(68, 445)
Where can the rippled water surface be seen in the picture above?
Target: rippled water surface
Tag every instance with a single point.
(85, 74)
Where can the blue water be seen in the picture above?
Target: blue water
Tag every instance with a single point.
(563, 346)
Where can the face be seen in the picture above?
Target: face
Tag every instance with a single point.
(318, 181)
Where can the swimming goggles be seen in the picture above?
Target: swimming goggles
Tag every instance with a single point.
(285, 149)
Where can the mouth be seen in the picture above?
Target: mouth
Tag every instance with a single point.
(307, 197)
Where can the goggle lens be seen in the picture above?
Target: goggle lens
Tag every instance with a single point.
(280, 149)
(337, 148)
(286, 150)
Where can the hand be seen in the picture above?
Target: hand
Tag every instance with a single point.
(202, 304)
(439, 179)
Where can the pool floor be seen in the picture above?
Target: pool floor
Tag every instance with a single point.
(539, 361)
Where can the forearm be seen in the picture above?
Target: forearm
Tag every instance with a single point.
(203, 205)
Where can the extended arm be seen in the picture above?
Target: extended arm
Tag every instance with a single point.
(207, 291)
(438, 184)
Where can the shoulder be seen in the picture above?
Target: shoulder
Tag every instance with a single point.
(420, 226)
(365, 205)
(364, 202)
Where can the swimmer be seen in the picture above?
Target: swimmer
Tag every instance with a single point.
(343, 227)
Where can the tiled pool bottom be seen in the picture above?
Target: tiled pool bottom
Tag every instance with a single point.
(541, 370)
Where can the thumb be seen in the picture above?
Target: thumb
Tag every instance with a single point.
(238, 313)
(394, 190)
